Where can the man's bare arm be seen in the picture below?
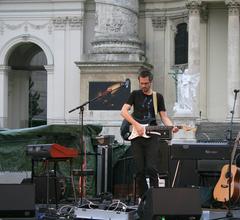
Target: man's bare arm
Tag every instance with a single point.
(166, 120)
(125, 114)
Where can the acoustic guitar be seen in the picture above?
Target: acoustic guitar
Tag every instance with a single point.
(229, 180)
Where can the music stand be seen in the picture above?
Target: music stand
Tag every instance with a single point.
(81, 107)
(229, 214)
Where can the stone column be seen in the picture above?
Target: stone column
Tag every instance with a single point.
(159, 26)
(194, 47)
(233, 54)
(194, 36)
(50, 92)
(4, 96)
(116, 28)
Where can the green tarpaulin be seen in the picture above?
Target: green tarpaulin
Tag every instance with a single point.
(13, 146)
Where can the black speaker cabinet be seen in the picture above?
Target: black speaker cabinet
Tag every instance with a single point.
(172, 204)
(17, 200)
(43, 194)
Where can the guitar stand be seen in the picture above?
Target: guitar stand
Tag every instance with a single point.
(229, 214)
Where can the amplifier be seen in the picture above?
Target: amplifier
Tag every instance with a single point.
(17, 201)
(99, 214)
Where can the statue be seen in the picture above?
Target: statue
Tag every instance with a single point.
(186, 93)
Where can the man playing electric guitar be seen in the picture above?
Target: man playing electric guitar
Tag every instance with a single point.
(145, 150)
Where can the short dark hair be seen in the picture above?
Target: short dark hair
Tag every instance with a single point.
(145, 73)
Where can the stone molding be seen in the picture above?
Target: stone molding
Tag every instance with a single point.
(26, 25)
(111, 67)
(4, 69)
(176, 22)
(159, 23)
(49, 69)
(60, 23)
(116, 45)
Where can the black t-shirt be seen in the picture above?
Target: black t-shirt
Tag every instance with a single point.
(143, 109)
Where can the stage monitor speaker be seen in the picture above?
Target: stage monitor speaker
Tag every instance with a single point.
(172, 204)
(17, 200)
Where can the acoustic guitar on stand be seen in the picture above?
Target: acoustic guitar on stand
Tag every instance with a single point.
(229, 180)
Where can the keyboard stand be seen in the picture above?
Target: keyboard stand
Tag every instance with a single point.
(55, 162)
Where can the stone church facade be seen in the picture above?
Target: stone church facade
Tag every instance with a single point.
(74, 43)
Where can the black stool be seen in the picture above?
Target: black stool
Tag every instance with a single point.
(80, 173)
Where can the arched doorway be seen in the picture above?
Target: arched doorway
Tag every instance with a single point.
(27, 86)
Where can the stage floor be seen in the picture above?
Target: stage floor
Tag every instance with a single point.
(207, 214)
(211, 214)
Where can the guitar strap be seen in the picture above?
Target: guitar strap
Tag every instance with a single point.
(155, 106)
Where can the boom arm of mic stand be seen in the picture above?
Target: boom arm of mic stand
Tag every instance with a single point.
(98, 97)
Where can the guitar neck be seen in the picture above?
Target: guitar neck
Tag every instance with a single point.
(160, 128)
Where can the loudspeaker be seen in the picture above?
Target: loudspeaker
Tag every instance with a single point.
(186, 175)
(172, 204)
(17, 200)
(42, 194)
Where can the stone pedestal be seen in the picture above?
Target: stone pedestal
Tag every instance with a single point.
(107, 72)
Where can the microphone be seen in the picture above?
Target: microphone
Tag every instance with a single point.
(115, 87)
(236, 90)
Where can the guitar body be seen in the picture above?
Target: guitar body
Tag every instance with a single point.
(126, 128)
(221, 190)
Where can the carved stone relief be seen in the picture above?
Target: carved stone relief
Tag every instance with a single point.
(116, 27)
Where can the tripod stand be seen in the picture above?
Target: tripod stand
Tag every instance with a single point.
(110, 90)
(229, 171)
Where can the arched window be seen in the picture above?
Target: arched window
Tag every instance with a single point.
(181, 44)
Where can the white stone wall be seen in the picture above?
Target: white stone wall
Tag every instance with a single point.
(56, 27)
(65, 31)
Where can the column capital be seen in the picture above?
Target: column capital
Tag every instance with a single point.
(232, 3)
(159, 23)
(194, 6)
(204, 13)
(233, 7)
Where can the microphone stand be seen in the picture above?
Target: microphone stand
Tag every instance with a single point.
(229, 214)
(81, 107)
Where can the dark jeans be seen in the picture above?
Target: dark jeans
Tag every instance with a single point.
(147, 159)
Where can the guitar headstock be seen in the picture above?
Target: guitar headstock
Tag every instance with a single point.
(237, 140)
(188, 128)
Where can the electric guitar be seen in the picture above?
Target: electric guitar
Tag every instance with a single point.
(128, 132)
(229, 180)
